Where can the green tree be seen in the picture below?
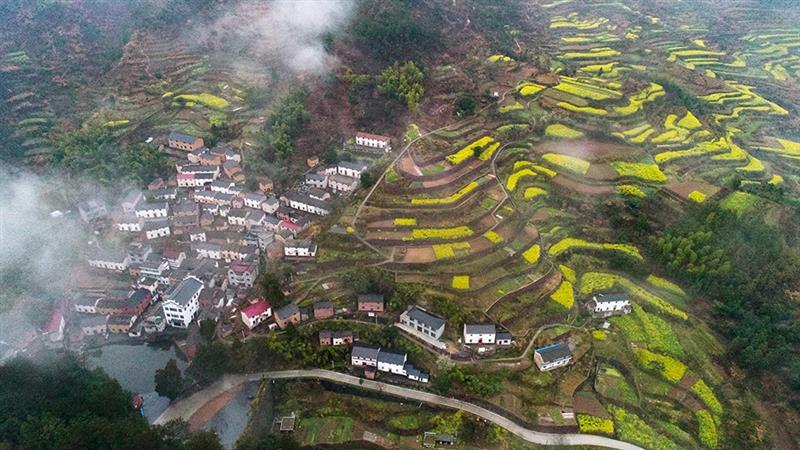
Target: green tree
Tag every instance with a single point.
(271, 288)
(210, 362)
(169, 382)
(465, 105)
(366, 179)
(208, 330)
(403, 82)
(204, 440)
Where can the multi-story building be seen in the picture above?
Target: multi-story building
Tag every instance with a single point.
(256, 313)
(242, 273)
(184, 142)
(182, 302)
(423, 323)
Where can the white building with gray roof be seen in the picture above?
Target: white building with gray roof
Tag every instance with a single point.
(420, 322)
(182, 302)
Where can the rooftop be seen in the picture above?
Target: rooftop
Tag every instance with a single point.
(365, 352)
(420, 315)
(180, 137)
(480, 329)
(389, 357)
(256, 308)
(554, 352)
(185, 290)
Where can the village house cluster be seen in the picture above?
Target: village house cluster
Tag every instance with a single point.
(193, 245)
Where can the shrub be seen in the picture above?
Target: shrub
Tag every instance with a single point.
(564, 295)
(593, 424)
(461, 282)
(697, 196)
(630, 190)
(570, 163)
(707, 429)
(669, 368)
(532, 254)
(705, 394)
(600, 335)
(442, 233)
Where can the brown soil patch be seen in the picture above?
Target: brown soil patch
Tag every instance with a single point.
(210, 409)
(387, 235)
(418, 255)
(590, 149)
(407, 165)
(379, 224)
(602, 172)
(577, 186)
(586, 403)
(685, 188)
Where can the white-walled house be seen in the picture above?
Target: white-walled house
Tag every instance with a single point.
(256, 313)
(422, 323)
(131, 200)
(129, 223)
(363, 355)
(480, 333)
(374, 141)
(155, 229)
(254, 200)
(182, 302)
(150, 210)
(317, 180)
(305, 203)
(552, 356)
(208, 250)
(392, 362)
(114, 260)
(299, 248)
(609, 304)
(351, 169)
(242, 273)
(342, 183)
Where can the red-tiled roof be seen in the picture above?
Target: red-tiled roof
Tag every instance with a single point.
(372, 136)
(54, 323)
(241, 267)
(256, 308)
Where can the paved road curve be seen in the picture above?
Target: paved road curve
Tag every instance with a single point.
(186, 407)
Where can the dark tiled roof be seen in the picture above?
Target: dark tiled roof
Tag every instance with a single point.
(180, 137)
(365, 352)
(388, 357)
(554, 352)
(424, 317)
(480, 329)
(612, 297)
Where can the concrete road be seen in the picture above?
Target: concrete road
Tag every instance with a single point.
(186, 407)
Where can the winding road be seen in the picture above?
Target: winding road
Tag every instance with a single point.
(184, 408)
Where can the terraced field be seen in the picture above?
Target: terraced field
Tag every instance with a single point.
(504, 214)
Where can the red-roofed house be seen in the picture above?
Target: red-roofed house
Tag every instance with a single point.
(54, 328)
(243, 273)
(374, 141)
(255, 313)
